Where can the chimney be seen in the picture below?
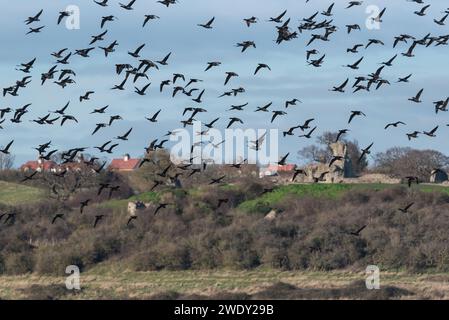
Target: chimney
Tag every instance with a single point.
(126, 157)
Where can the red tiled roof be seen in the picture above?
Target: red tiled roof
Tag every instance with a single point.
(122, 165)
(34, 165)
(286, 168)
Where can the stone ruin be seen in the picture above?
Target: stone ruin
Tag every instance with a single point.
(339, 170)
(438, 176)
(135, 206)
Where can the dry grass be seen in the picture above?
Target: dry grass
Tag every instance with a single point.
(14, 194)
(107, 283)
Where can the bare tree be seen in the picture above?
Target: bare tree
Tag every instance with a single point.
(401, 162)
(6, 161)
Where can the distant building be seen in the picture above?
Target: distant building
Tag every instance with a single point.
(39, 165)
(273, 170)
(125, 164)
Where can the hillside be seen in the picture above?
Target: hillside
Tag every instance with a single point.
(14, 194)
(229, 249)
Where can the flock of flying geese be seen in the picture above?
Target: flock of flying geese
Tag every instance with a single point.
(137, 69)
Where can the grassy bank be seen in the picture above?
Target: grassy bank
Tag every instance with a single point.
(110, 283)
(15, 194)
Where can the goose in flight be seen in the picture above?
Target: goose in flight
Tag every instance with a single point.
(35, 30)
(229, 75)
(86, 96)
(264, 108)
(128, 6)
(406, 208)
(154, 117)
(394, 124)
(198, 99)
(378, 18)
(298, 172)
(250, 21)
(405, 79)
(278, 19)
(431, 133)
(232, 121)
(417, 98)
(422, 12)
(212, 64)
(334, 159)
(365, 152)
(374, 41)
(413, 135)
(309, 134)
(411, 179)
(217, 181)
(167, 3)
(56, 217)
(141, 92)
(341, 87)
(62, 15)
(98, 218)
(442, 20)
(103, 3)
(292, 102)
(355, 48)
(389, 63)
(357, 232)
(289, 132)
(207, 25)
(354, 3)
(163, 62)
(125, 136)
(5, 150)
(354, 114)
(317, 63)
(109, 49)
(276, 114)
(341, 133)
(328, 12)
(262, 66)
(136, 52)
(35, 18)
(84, 204)
(84, 52)
(58, 54)
(351, 27)
(246, 44)
(310, 53)
(409, 52)
(283, 160)
(306, 124)
(320, 178)
(100, 110)
(98, 37)
(355, 65)
(149, 17)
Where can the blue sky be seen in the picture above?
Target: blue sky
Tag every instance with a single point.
(192, 47)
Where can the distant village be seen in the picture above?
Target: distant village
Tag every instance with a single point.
(338, 171)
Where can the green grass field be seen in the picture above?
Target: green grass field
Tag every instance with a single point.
(332, 191)
(15, 194)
